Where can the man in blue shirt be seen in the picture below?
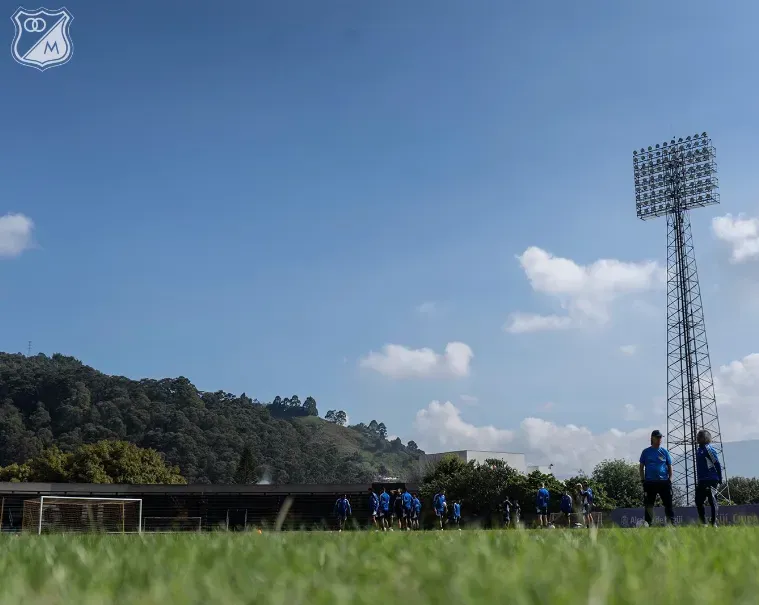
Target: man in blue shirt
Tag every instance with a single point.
(566, 507)
(384, 509)
(541, 503)
(709, 472)
(343, 511)
(373, 507)
(457, 513)
(656, 476)
(506, 510)
(586, 497)
(440, 506)
(408, 501)
(416, 510)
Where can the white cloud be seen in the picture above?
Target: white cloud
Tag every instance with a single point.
(737, 390)
(741, 233)
(397, 361)
(586, 292)
(15, 234)
(427, 308)
(440, 427)
(469, 399)
(630, 412)
(520, 323)
(628, 349)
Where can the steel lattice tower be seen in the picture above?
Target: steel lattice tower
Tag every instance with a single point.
(670, 180)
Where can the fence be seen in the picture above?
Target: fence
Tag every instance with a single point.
(728, 515)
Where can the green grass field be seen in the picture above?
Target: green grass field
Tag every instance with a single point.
(682, 566)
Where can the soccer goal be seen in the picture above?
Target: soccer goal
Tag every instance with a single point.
(171, 524)
(57, 514)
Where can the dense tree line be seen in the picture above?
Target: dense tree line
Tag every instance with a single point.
(482, 487)
(58, 401)
(102, 462)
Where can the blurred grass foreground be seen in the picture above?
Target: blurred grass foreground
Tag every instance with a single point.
(687, 565)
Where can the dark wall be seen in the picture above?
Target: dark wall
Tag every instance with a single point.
(219, 507)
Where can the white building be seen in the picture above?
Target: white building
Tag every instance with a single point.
(516, 461)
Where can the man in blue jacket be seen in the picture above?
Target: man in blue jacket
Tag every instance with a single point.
(709, 472)
(566, 507)
(656, 476)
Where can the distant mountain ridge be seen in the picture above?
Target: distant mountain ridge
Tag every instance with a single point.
(741, 458)
(58, 400)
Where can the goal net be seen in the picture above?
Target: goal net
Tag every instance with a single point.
(54, 514)
(171, 524)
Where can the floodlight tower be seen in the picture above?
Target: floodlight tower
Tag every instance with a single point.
(671, 179)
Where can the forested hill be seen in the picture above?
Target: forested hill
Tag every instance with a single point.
(57, 400)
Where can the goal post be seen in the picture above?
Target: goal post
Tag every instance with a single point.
(58, 514)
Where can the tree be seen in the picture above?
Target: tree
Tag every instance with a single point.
(330, 416)
(341, 418)
(621, 481)
(601, 501)
(246, 467)
(382, 430)
(744, 490)
(103, 462)
(412, 446)
(121, 462)
(309, 407)
(373, 427)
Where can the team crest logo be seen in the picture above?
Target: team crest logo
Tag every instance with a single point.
(42, 37)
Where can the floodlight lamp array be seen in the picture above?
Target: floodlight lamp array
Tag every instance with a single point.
(673, 176)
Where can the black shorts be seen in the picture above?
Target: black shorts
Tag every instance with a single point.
(587, 509)
(542, 510)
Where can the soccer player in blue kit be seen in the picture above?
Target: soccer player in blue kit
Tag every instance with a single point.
(586, 498)
(384, 509)
(408, 504)
(541, 503)
(440, 506)
(566, 507)
(374, 504)
(656, 476)
(709, 473)
(343, 511)
(416, 511)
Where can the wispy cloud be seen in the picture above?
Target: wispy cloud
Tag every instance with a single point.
(15, 235)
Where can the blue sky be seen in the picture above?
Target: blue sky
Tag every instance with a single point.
(256, 195)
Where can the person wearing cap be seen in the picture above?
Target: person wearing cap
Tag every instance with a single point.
(656, 476)
(709, 473)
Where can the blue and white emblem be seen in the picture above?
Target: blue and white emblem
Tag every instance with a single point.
(42, 37)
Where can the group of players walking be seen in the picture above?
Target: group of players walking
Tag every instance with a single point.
(400, 507)
(404, 508)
